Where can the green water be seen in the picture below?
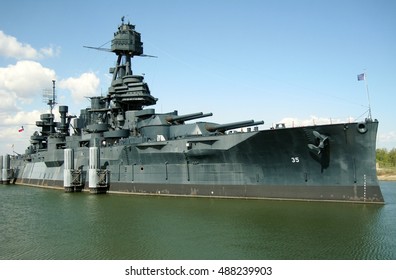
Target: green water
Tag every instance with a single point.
(49, 224)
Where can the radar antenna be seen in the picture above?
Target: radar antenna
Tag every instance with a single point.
(49, 97)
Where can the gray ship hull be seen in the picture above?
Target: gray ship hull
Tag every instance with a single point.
(287, 163)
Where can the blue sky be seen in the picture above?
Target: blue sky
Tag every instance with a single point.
(276, 60)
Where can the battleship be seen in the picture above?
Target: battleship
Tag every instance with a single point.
(121, 145)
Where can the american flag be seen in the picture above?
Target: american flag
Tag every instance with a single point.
(361, 77)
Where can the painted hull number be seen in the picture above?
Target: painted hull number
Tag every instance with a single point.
(295, 159)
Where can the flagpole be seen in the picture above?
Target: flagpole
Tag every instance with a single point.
(361, 77)
(368, 94)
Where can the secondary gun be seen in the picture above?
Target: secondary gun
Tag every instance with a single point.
(183, 118)
(228, 126)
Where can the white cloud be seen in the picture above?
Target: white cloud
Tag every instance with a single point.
(387, 139)
(22, 82)
(85, 85)
(11, 47)
(8, 101)
(10, 138)
(21, 118)
(50, 51)
(25, 79)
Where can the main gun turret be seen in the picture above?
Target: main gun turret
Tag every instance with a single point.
(182, 118)
(223, 127)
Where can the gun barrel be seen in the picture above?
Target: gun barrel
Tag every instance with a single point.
(187, 117)
(228, 126)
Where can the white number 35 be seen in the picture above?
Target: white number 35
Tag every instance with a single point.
(295, 159)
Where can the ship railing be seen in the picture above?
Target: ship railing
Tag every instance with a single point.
(315, 121)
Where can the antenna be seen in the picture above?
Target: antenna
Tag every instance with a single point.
(49, 96)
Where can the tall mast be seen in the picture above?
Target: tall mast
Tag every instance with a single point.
(128, 91)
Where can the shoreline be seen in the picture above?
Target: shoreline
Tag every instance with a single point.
(386, 177)
(386, 174)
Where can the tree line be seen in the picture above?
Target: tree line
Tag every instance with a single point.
(386, 158)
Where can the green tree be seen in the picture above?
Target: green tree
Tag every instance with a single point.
(386, 158)
(392, 157)
(381, 156)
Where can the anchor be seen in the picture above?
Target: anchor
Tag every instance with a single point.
(321, 151)
(322, 142)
